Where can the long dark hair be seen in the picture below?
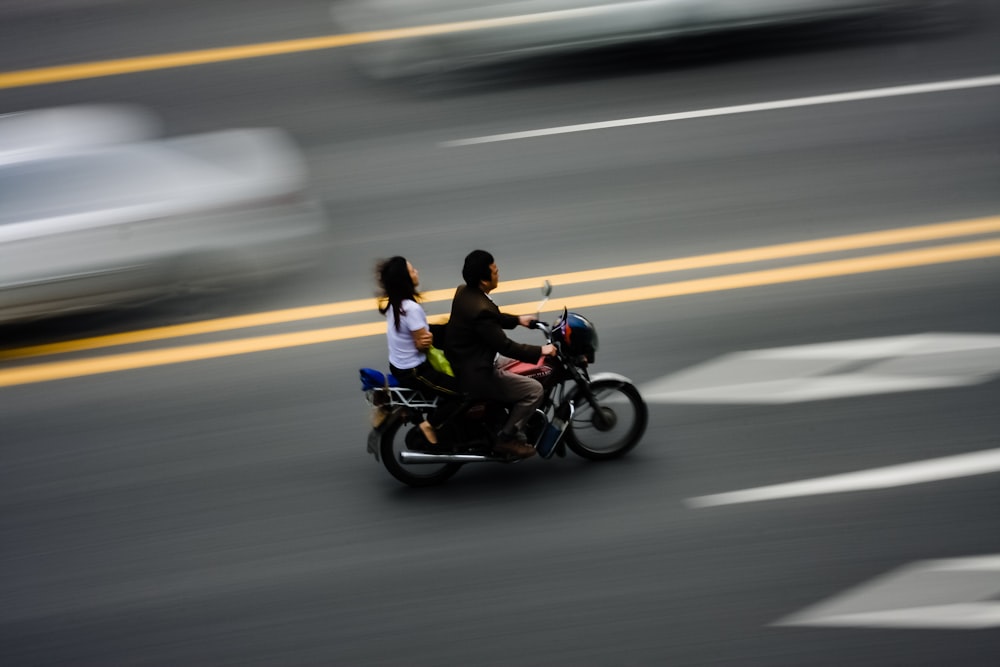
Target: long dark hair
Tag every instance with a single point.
(397, 286)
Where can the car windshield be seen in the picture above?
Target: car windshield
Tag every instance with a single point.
(83, 183)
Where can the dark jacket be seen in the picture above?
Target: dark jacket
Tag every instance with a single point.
(475, 335)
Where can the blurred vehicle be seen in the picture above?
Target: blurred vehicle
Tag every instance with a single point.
(27, 134)
(499, 31)
(86, 226)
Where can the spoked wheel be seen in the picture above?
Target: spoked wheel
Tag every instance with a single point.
(615, 428)
(394, 441)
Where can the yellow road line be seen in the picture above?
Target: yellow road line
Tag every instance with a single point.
(60, 73)
(194, 328)
(843, 267)
(764, 253)
(132, 360)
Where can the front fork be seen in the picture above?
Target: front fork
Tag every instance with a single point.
(582, 380)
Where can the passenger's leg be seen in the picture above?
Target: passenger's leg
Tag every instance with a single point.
(446, 388)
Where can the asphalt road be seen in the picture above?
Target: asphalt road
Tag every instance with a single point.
(224, 511)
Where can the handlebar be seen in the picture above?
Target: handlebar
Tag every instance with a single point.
(545, 329)
(541, 326)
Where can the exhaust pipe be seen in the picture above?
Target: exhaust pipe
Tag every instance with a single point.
(421, 457)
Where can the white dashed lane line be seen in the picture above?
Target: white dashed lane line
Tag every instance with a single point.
(931, 470)
(816, 100)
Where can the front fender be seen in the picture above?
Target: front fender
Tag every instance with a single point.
(598, 377)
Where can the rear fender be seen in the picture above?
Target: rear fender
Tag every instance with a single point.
(400, 414)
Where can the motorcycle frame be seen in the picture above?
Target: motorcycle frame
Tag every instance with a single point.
(411, 405)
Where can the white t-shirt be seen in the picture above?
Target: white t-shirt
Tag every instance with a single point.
(403, 352)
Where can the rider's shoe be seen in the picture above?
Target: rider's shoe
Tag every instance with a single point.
(514, 445)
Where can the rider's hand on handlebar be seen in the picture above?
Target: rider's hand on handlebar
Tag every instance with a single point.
(526, 320)
(548, 350)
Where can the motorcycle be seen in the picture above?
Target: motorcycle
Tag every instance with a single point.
(598, 417)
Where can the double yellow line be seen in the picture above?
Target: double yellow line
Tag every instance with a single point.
(923, 256)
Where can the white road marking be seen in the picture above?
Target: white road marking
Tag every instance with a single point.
(939, 594)
(931, 470)
(835, 98)
(835, 370)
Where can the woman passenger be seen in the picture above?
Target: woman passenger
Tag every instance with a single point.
(409, 336)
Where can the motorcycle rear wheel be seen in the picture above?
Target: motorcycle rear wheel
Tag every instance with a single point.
(393, 442)
(625, 416)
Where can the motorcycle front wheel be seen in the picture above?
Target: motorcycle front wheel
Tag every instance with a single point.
(618, 427)
(393, 442)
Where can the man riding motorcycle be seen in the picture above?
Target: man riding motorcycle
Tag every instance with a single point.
(478, 349)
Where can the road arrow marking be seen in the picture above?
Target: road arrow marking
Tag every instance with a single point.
(835, 370)
(932, 470)
(938, 594)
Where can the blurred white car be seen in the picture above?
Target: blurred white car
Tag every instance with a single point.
(460, 33)
(27, 134)
(86, 226)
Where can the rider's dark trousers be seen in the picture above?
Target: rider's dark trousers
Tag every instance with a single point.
(523, 393)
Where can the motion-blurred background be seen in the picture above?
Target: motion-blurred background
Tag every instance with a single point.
(187, 246)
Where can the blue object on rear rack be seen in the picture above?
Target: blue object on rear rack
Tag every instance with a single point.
(373, 379)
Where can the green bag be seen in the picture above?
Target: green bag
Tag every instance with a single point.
(439, 361)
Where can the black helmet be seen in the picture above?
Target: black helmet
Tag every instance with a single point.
(577, 335)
